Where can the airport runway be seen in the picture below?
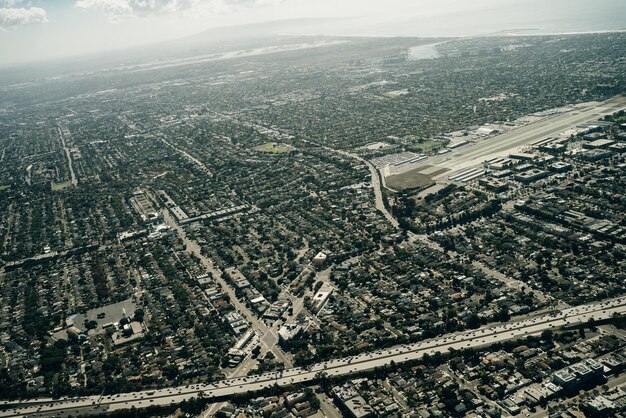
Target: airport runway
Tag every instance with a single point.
(502, 145)
(481, 337)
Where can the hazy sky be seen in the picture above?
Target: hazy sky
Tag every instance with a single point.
(41, 29)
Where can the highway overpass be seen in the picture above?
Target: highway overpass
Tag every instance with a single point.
(480, 337)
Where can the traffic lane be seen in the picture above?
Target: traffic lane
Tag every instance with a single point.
(289, 377)
(368, 361)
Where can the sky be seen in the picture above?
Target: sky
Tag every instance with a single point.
(33, 30)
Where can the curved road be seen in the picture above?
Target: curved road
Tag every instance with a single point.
(376, 182)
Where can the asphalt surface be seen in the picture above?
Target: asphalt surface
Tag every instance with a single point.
(481, 337)
(269, 338)
(499, 145)
(376, 182)
(328, 407)
(502, 145)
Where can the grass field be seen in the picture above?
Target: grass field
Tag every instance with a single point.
(274, 148)
(60, 186)
(425, 146)
(411, 179)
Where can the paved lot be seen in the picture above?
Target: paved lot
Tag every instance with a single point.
(502, 145)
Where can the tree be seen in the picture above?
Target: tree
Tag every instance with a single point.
(91, 324)
(547, 335)
(503, 314)
(473, 321)
(170, 371)
(324, 382)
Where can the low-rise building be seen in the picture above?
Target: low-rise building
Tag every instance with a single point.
(531, 175)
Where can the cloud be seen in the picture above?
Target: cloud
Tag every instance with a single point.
(112, 7)
(12, 17)
(10, 3)
(117, 9)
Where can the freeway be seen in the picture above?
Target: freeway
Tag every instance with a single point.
(502, 145)
(477, 338)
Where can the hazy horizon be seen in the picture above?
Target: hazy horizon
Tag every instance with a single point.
(39, 30)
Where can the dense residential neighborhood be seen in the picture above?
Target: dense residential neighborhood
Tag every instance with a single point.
(167, 231)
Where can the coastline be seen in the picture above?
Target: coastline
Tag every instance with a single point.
(503, 33)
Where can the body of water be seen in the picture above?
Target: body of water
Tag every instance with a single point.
(427, 51)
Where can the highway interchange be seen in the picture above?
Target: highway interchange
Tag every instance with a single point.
(480, 337)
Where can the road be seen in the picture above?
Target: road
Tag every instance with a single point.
(328, 408)
(469, 156)
(241, 370)
(502, 145)
(397, 396)
(268, 337)
(378, 195)
(505, 280)
(190, 157)
(376, 183)
(478, 338)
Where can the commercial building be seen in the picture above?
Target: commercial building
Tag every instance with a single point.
(238, 279)
(320, 298)
(493, 184)
(531, 175)
(319, 259)
(571, 377)
(560, 167)
(598, 144)
(288, 332)
(594, 154)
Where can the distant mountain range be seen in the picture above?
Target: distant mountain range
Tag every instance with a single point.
(253, 31)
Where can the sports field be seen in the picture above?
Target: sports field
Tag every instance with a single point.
(274, 148)
(60, 186)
